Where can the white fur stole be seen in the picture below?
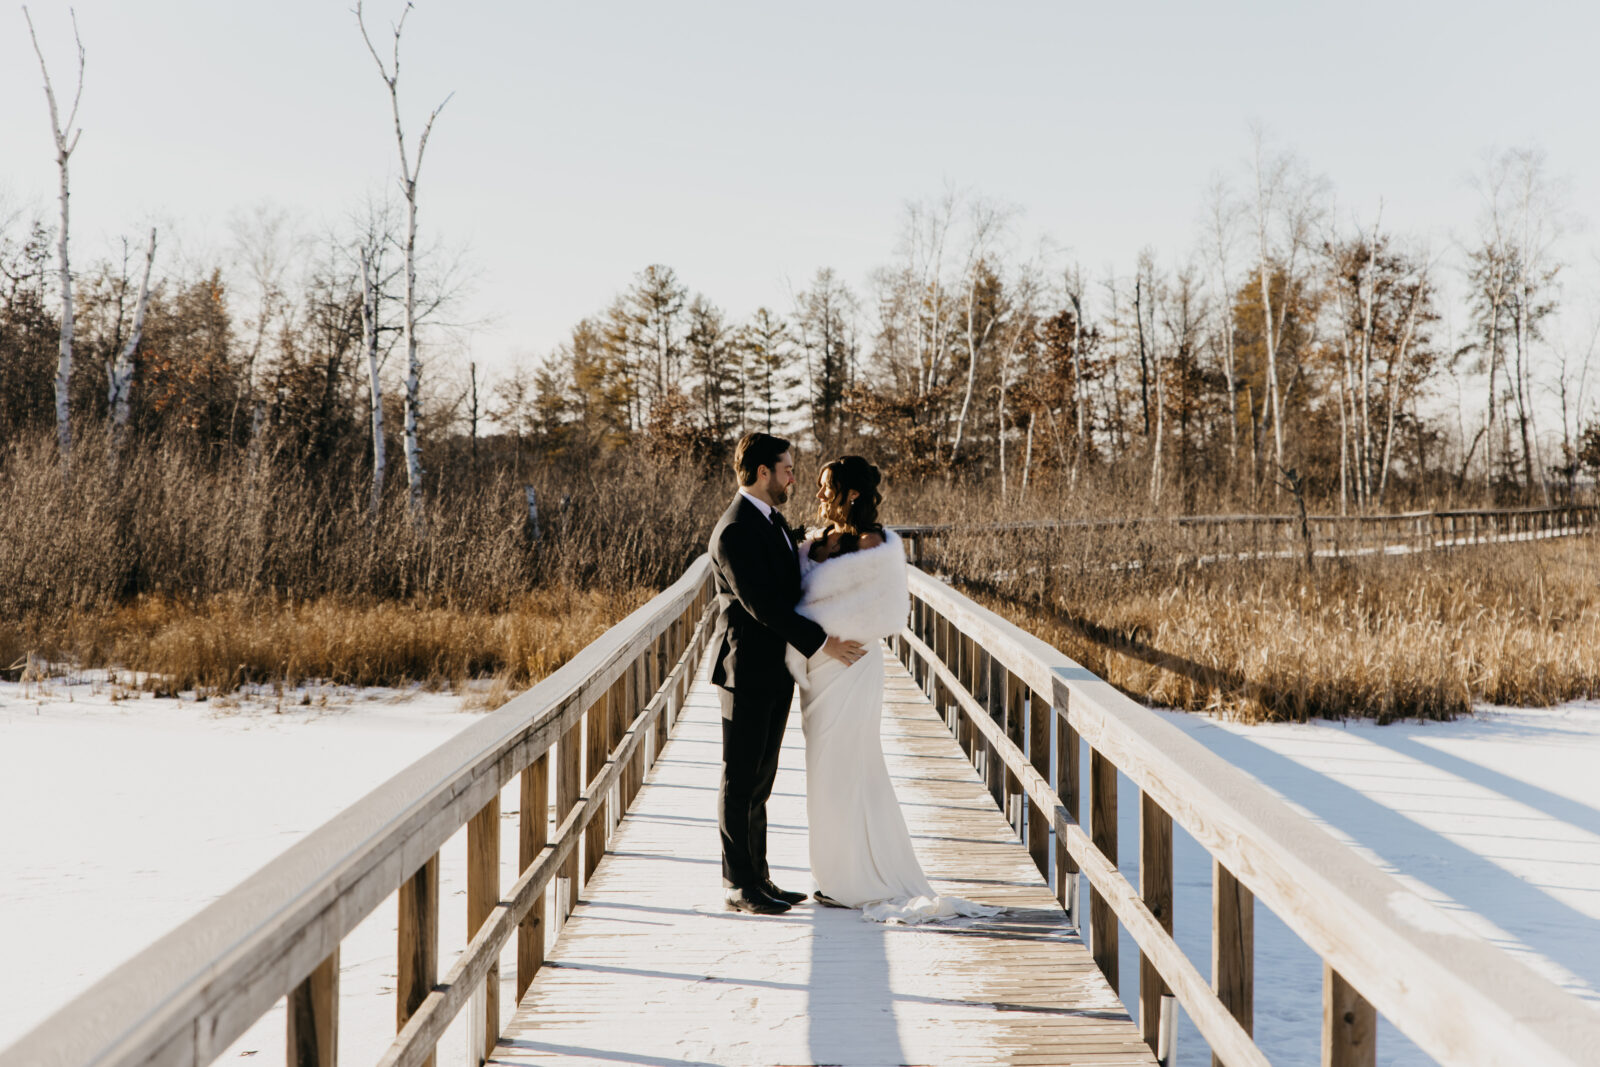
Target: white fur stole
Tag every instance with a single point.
(859, 596)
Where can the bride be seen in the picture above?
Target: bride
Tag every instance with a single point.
(853, 577)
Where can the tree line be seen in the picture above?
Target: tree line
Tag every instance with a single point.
(1289, 346)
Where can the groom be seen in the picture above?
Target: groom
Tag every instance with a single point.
(757, 577)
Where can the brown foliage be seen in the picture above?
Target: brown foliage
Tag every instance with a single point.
(1387, 637)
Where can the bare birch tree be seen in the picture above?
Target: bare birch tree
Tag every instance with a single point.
(1221, 228)
(265, 244)
(119, 384)
(988, 223)
(410, 171)
(1285, 202)
(369, 343)
(65, 136)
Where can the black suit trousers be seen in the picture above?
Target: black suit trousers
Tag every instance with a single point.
(753, 721)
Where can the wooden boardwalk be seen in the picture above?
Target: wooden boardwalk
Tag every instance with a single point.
(651, 970)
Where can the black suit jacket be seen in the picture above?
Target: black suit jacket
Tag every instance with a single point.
(757, 576)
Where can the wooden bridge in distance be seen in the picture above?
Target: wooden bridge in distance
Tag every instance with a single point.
(624, 954)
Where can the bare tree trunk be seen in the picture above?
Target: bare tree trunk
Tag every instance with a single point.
(1344, 455)
(66, 140)
(409, 174)
(369, 337)
(1264, 275)
(1000, 434)
(121, 378)
(1080, 397)
(1368, 295)
(1396, 374)
(472, 370)
(1496, 303)
(1027, 455)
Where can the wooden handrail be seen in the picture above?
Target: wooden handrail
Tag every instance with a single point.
(188, 996)
(1461, 999)
(1241, 536)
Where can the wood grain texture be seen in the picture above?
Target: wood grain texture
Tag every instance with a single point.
(651, 970)
(483, 894)
(1103, 830)
(596, 748)
(313, 1017)
(1233, 947)
(1068, 789)
(417, 968)
(532, 830)
(1039, 718)
(1155, 887)
(1349, 1024)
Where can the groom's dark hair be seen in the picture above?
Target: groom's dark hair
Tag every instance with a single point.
(757, 450)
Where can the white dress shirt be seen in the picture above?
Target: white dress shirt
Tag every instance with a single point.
(761, 505)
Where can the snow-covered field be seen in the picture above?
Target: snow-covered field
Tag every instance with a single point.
(123, 818)
(1495, 818)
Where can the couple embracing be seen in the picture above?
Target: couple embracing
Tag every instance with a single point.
(811, 610)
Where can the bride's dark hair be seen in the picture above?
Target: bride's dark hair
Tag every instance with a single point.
(837, 481)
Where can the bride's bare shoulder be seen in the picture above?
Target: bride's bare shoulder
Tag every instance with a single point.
(871, 539)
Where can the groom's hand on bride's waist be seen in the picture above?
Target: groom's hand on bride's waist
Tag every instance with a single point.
(845, 652)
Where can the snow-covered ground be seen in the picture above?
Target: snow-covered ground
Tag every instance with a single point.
(124, 817)
(1496, 818)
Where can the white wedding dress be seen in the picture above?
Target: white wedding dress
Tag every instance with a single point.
(861, 852)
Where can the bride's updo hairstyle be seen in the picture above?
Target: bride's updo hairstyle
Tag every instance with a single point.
(846, 475)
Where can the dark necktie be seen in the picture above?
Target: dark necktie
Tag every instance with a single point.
(778, 525)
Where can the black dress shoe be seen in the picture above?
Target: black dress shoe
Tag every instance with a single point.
(826, 901)
(755, 902)
(781, 894)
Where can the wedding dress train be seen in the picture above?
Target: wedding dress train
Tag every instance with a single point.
(861, 853)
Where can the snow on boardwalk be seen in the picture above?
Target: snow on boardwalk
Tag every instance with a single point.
(651, 970)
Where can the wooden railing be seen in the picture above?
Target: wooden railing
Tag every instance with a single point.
(1022, 710)
(595, 725)
(1208, 537)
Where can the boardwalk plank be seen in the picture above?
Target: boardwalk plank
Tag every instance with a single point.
(651, 970)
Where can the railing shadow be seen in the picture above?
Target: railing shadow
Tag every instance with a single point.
(1403, 739)
(1523, 909)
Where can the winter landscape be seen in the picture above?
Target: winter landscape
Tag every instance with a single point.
(362, 430)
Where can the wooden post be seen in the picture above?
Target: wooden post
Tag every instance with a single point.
(568, 772)
(1038, 755)
(418, 944)
(964, 658)
(1233, 947)
(597, 727)
(534, 832)
(985, 693)
(483, 893)
(655, 673)
(1103, 832)
(1067, 788)
(1155, 887)
(1349, 1024)
(314, 1017)
(633, 699)
(1008, 697)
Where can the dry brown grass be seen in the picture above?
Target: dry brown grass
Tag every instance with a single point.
(226, 641)
(217, 570)
(1424, 636)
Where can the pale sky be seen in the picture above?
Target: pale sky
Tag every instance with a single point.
(747, 144)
